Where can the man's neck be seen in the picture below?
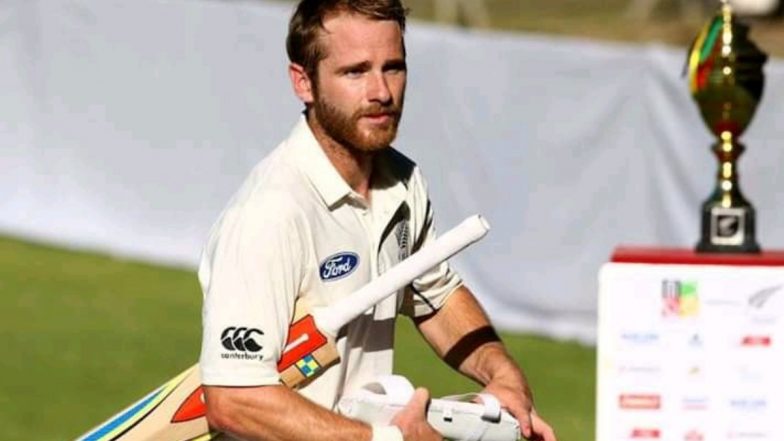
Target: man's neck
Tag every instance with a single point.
(354, 166)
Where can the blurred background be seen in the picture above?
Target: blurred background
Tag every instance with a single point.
(126, 126)
(643, 21)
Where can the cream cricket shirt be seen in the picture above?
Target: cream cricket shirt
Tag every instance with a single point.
(296, 229)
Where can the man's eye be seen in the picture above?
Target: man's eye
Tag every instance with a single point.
(354, 73)
(396, 68)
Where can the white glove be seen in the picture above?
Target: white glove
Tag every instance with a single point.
(454, 417)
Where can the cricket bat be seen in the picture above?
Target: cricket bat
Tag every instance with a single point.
(176, 411)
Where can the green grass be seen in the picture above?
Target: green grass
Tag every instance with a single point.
(85, 335)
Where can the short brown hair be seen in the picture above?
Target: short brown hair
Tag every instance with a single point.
(308, 19)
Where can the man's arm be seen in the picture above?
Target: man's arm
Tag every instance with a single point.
(461, 334)
(276, 413)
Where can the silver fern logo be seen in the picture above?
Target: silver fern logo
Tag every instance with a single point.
(765, 306)
(403, 240)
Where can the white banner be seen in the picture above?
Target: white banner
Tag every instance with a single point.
(690, 353)
(125, 126)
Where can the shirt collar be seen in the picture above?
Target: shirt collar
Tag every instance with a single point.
(332, 188)
(389, 177)
(314, 163)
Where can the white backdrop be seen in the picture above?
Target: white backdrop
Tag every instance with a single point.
(126, 126)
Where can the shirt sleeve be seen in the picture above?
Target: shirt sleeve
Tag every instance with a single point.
(251, 272)
(429, 292)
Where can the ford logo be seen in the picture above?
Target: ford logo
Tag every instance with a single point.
(338, 266)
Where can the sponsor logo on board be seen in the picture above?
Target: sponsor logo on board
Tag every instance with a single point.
(653, 370)
(760, 341)
(694, 403)
(755, 435)
(749, 405)
(639, 401)
(645, 433)
(679, 299)
(694, 435)
(639, 338)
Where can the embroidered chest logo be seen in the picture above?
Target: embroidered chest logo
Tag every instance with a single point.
(403, 240)
(338, 266)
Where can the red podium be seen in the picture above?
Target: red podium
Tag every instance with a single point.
(683, 256)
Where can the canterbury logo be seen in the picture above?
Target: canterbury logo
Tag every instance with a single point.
(240, 339)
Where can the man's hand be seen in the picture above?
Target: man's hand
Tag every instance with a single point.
(462, 335)
(412, 420)
(515, 395)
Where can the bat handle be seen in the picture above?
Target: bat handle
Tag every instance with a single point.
(331, 318)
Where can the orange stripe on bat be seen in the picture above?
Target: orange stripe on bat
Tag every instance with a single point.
(303, 329)
(193, 407)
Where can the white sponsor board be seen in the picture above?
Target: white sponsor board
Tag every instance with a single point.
(690, 352)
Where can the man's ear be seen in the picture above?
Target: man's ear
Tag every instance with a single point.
(301, 82)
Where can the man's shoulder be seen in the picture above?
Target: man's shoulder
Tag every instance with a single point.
(273, 183)
(278, 167)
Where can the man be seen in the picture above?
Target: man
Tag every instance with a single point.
(331, 208)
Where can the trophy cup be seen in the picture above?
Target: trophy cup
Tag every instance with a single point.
(726, 81)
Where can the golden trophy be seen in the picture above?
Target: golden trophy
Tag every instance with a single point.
(726, 81)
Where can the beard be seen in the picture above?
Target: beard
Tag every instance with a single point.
(345, 128)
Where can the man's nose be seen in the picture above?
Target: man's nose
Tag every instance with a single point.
(378, 88)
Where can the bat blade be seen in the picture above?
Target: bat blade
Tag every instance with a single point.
(176, 411)
(173, 412)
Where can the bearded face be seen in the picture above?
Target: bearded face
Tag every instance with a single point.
(358, 88)
(367, 128)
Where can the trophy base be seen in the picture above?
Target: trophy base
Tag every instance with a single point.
(728, 230)
(707, 247)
